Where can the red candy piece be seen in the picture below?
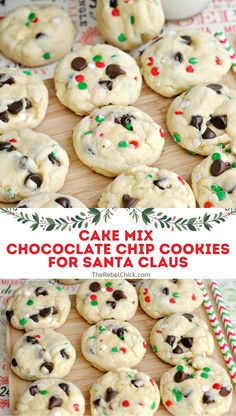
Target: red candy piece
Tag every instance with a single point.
(181, 180)
(168, 403)
(12, 141)
(189, 68)
(125, 403)
(134, 143)
(144, 344)
(145, 291)
(124, 350)
(216, 386)
(115, 12)
(109, 289)
(100, 64)
(179, 113)
(193, 297)
(155, 71)
(158, 331)
(172, 300)
(35, 20)
(162, 133)
(79, 78)
(208, 204)
(147, 299)
(37, 336)
(150, 61)
(218, 61)
(76, 407)
(93, 297)
(140, 404)
(101, 134)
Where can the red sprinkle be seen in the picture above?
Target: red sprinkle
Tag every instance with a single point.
(208, 204)
(152, 381)
(109, 289)
(158, 331)
(216, 386)
(93, 297)
(155, 71)
(100, 64)
(35, 20)
(168, 403)
(189, 68)
(145, 291)
(144, 344)
(76, 407)
(37, 336)
(162, 133)
(150, 61)
(179, 113)
(181, 180)
(12, 141)
(115, 12)
(101, 134)
(125, 403)
(147, 299)
(140, 404)
(134, 143)
(124, 350)
(193, 297)
(79, 78)
(172, 300)
(218, 61)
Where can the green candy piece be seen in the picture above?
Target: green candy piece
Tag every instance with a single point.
(121, 37)
(132, 20)
(30, 302)
(155, 349)
(100, 119)
(233, 165)
(129, 127)
(27, 24)
(153, 406)
(149, 175)
(216, 188)
(177, 137)
(175, 295)
(221, 195)
(88, 132)
(115, 349)
(204, 375)
(27, 72)
(102, 328)
(59, 289)
(123, 144)
(31, 16)
(94, 302)
(193, 61)
(44, 392)
(108, 284)
(23, 321)
(47, 55)
(97, 58)
(216, 156)
(178, 395)
(220, 145)
(207, 369)
(82, 86)
(180, 368)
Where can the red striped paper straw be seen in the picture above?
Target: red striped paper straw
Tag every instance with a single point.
(225, 317)
(220, 36)
(218, 333)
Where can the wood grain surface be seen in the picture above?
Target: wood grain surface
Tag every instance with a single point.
(81, 181)
(84, 375)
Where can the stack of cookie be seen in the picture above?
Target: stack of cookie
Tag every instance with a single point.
(196, 385)
(101, 82)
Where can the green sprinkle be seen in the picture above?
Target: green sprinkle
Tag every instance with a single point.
(216, 188)
(155, 349)
(27, 72)
(233, 165)
(88, 132)
(102, 328)
(97, 58)
(82, 86)
(115, 349)
(191, 375)
(53, 154)
(190, 364)
(178, 395)
(94, 302)
(221, 195)
(100, 119)
(23, 321)
(113, 56)
(175, 295)
(129, 375)
(207, 369)
(31, 16)
(121, 37)
(216, 156)
(30, 302)
(123, 144)
(59, 289)
(47, 55)
(129, 127)
(220, 145)
(132, 20)
(92, 337)
(149, 175)
(153, 406)
(177, 137)
(180, 368)
(108, 284)
(187, 92)
(44, 392)
(228, 150)
(27, 24)
(193, 61)
(204, 375)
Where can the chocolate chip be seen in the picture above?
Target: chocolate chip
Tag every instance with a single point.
(231, 191)
(34, 390)
(138, 383)
(34, 177)
(40, 35)
(21, 206)
(113, 3)
(28, 104)
(4, 116)
(207, 399)
(65, 387)
(170, 340)
(64, 354)
(188, 316)
(118, 295)
(64, 202)
(219, 122)
(225, 391)
(111, 303)
(8, 81)
(215, 87)
(180, 376)
(218, 167)
(114, 70)
(49, 366)
(173, 280)
(128, 201)
(94, 287)
(125, 121)
(23, 162)
(179, 57)
(54, 401)
(165, 290)
(14, 363)
(54, 160)
(9, 315)
(177, 350)
(208, 134)
(119, 332)
(187, 342)
(196, 121)
(162, 183)
(79, 63)
(35, 317)
(31, 340)
(15, 107)
(54, 310)
(40, 291)
(187, 39)
(110, 394)
(97, 402)
(107, 84)
(45, 312)
(41, 353)
(6, 146)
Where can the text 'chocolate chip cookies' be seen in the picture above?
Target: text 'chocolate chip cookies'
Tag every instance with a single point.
(94, 76)
(129, 24)
(178, 61)
(35, 36)
(34, 163)
(114, 138)
(33, 307)
(104, 299)
(24, 99)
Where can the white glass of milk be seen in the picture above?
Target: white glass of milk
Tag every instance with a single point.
(182, 9)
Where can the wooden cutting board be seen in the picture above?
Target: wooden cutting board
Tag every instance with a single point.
(81, 181)
(84, 375)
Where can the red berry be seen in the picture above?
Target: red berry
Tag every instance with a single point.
(79, 78)
(147, 299)
(115, 12)
(189, 68)
(125, 403)
(155, 71)
(208, 204)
